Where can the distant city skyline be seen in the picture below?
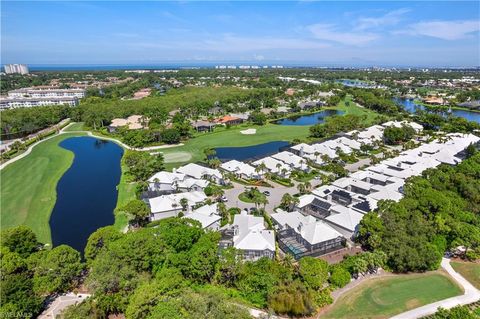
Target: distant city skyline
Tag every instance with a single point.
(393, 33)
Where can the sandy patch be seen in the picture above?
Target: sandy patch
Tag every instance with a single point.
(250, 131)
(177, 157)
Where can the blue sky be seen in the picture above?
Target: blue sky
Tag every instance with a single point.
(420, 33)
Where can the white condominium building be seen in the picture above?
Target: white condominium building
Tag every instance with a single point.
(16, 68)
(10, 103)
(42, 92)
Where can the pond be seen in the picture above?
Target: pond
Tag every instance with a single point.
(357, 83)
(311, 119)
(87, 192)
(250, 153)
(411, 106)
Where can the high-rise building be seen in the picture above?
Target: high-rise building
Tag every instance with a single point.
(16, 68)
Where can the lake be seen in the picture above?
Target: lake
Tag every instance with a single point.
(357, 83)
(86, 193)
(411, 106)
(311, 119)
(249, 153)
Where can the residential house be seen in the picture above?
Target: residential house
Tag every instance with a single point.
(133, 122)
(241, 170)
(417, 127)
(202, 172)
(344, 219)
(243, 116)
(165, 206)
(248, 234)
(165, 182)
(301, 235)
(274, 166)
(292, 160)
(203, 126)
(229, 120)
(310, 204)
(207, 215)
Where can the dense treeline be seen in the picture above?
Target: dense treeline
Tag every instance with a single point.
(375, 99)
(440, 211)
(435, 118)
(97, 112)
(336, 124)
(29, 274)
(172, 270)
(458, 312)
(24, 121)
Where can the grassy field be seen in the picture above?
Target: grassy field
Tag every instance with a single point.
(387, 296)
(126, 193)
(233, 138)
(469, 270)
(28, 188)
(75, 126)
(354, 109)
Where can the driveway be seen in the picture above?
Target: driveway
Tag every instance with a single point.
(276, 194)
(471, 294)
(60, 303)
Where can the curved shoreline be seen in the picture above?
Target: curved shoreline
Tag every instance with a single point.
(88, 133)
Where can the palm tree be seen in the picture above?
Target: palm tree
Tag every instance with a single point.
(209, 152)
(286, 201)
(222, 210)
(217, 192)
(262, 168)
(214, 163)
(301, 188)
(184, 203)
(325, 158)
(288, 261)
(295, 202)
(307, 185)
(278, 167)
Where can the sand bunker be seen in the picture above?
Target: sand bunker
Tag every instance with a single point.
(250, 131)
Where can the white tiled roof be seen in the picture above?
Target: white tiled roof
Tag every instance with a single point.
(197, 171)
(311, 229)
(169, 202)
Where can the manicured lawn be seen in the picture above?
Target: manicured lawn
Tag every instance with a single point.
(387, 296)
(126, 193)
(232, 137)
(75, 126)
(244, 198)
(469, 270)
(354, 109)
(28, 187)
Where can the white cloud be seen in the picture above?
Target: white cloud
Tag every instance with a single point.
(330, 33)
(258, 57)
(446, 30)
(388, 19)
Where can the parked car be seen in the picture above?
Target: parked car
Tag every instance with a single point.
(266, 193)
(224, 199)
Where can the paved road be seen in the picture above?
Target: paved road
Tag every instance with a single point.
(62, 131)
(471, 294)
